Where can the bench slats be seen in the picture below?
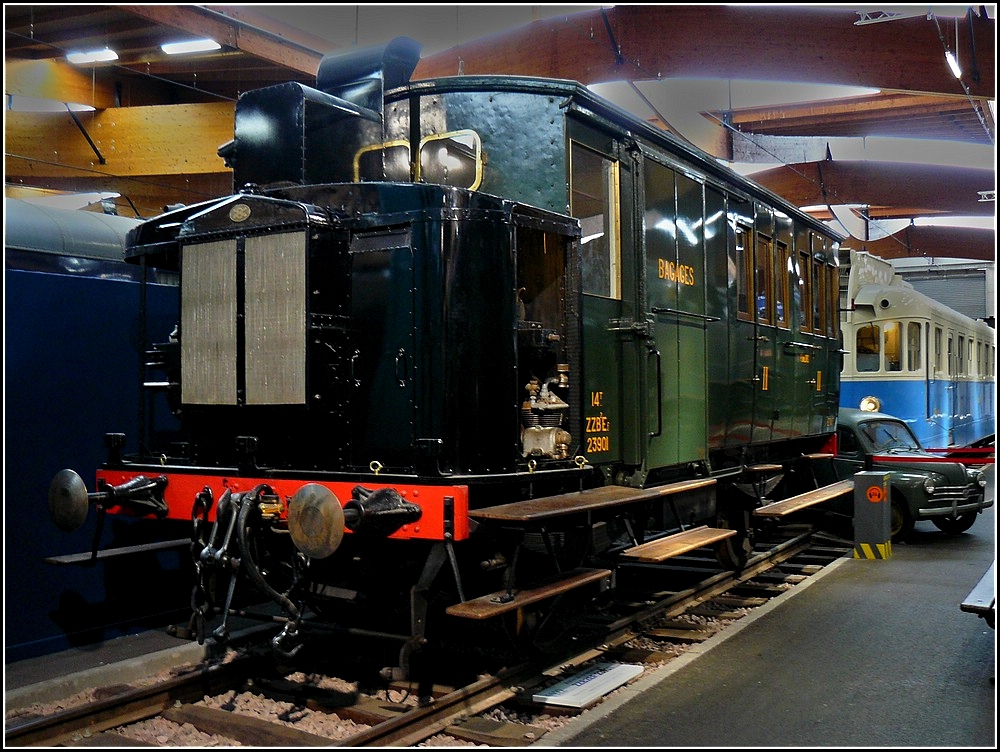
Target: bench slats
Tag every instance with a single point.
(677, 544)
(534, 510)
(795, 503)
(494, 604)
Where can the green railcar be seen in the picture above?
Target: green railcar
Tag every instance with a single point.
(449, 339)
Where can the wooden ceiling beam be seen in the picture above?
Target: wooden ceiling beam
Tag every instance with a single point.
(45, 79)
(931, 242)
(863, 116)
(133, 141)
(778, 43)
(926, 189)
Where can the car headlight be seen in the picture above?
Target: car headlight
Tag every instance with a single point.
(929, 485)
(870, 404)
(977, 476)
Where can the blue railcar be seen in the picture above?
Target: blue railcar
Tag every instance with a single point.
(72, 366)
(917, 359)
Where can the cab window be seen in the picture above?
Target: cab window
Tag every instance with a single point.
(594, 182)
(868, 342)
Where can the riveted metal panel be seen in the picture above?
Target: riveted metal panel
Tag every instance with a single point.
(208, 324)
(276, 319)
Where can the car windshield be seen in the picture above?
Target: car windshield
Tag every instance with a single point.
(888, 435)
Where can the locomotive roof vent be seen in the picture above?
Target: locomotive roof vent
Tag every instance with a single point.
(362, 76)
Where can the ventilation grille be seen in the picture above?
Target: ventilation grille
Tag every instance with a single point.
(271, 294)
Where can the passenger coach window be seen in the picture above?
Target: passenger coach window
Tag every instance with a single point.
(819, 297)
(594, 201)
(832, 301)
(938, 343)
(868, 343)
(782, 281)
(743, 274)
(763, 279)
(805, 291)
(913, 348)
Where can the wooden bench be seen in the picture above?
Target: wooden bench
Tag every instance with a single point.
(808, 499)
(662, 549)
(982, 599)
(502, 601)
(592, 499)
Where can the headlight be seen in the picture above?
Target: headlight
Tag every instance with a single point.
(871, 404)
(977, 476)
(929, 486)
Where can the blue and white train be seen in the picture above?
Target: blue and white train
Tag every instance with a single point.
(913, 357)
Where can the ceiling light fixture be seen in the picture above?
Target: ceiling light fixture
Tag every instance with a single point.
(953, 64)
(195, 45)
(94, 56)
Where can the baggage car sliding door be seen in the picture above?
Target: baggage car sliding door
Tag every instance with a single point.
(676, 283)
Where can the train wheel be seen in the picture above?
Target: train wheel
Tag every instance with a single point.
(900, 520)
(733, 552)
(955, 525)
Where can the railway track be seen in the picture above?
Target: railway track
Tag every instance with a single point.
(245, 702)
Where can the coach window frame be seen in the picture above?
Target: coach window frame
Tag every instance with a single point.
(744, 277)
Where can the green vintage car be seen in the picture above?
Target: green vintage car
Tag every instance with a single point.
(949, 494)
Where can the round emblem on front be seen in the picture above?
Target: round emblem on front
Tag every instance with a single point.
(239, 212)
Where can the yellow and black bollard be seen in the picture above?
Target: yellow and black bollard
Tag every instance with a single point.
(872, 516)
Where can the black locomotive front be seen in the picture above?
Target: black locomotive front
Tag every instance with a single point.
(393, 326)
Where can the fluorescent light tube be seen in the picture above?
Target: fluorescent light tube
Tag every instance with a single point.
(94, 56)
(953, 64)
(195, 45)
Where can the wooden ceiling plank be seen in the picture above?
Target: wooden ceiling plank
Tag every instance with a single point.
(132, 140)
(932, 242)
(46, 79)
(755, 42)
(923, 188)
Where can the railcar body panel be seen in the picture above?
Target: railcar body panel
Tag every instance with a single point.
(73, 371)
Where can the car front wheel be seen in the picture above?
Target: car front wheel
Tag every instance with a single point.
(900, 520)
(955, 525)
